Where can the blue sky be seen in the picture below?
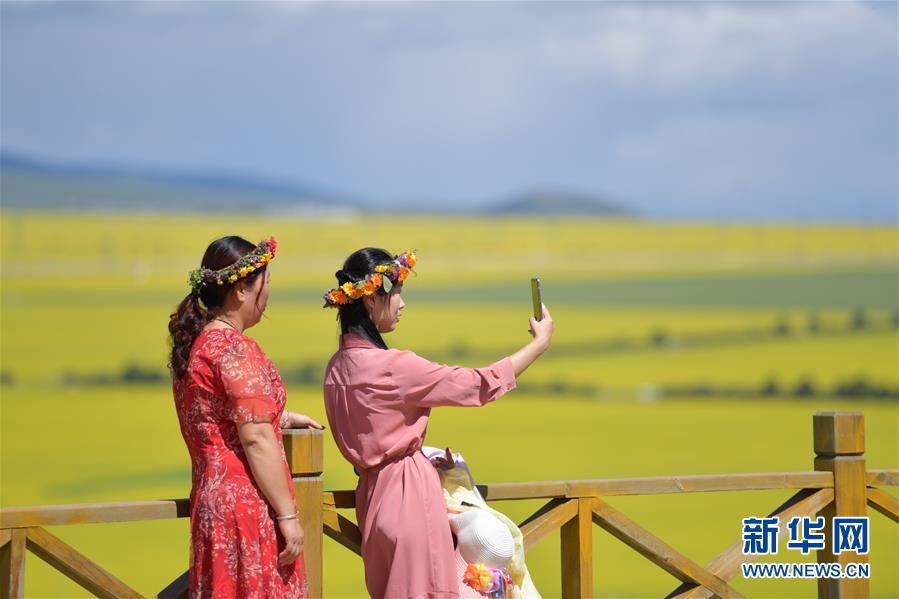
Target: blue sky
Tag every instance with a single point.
(764, 111)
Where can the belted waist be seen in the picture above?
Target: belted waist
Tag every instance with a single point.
(386, 462)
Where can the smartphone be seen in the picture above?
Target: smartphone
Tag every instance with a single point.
(537, 296)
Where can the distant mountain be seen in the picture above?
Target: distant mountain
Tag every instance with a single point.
(31, 184)
(555, 203)
(35, 185)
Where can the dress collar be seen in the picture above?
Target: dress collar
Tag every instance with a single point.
(351, 340)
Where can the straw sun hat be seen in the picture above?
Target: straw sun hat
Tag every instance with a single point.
(483, 539)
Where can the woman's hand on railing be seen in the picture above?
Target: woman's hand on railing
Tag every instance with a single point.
(295, 420)
(293, 541)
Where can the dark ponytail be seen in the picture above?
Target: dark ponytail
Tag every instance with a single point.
(198, 308)
(353, 317)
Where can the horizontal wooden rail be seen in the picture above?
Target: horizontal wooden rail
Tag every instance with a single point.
(134, 511)
(700, 483)
(659, 485)
(93, 513)
(882, 478)
(703, 483)
(654, 485)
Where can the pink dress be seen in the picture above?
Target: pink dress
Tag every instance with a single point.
(378, 403)
(234, 539)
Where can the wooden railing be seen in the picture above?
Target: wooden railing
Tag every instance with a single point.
(840, 486)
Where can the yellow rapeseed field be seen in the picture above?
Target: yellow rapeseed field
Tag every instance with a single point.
(642, 310)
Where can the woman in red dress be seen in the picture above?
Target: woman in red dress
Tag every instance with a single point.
(246, 539)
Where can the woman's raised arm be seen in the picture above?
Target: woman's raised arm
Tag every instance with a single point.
(429, 384)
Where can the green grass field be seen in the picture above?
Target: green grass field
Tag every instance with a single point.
(89, 294)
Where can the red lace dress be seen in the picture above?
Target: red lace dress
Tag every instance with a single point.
(234, 538)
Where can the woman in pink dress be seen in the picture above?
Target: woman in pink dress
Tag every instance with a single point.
(378, 401)
(246, 539)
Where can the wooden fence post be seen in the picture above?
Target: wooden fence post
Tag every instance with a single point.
(840, 448)
(12, 563)
(303, 449)
(577, 552)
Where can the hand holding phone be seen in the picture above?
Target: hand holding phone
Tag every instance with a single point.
(541, 329)
(537, 297)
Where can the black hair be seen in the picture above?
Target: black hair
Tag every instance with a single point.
(198, 308)
(353, 316)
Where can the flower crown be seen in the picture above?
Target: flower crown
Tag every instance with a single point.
(259, 257)
(385, 275)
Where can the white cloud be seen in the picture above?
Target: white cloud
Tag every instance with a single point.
(690, 45)
(402, 99)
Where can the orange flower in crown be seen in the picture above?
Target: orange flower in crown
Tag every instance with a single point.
(337, 298)
(385, 276)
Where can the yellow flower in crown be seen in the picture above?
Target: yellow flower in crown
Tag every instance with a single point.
(232, 278)
(382, 268)
(347, 288)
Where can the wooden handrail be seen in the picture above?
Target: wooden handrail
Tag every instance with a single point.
(840, 485)
(700, 483)
(93, 513)
(163, 509)
(882, 478)
(653, 485)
